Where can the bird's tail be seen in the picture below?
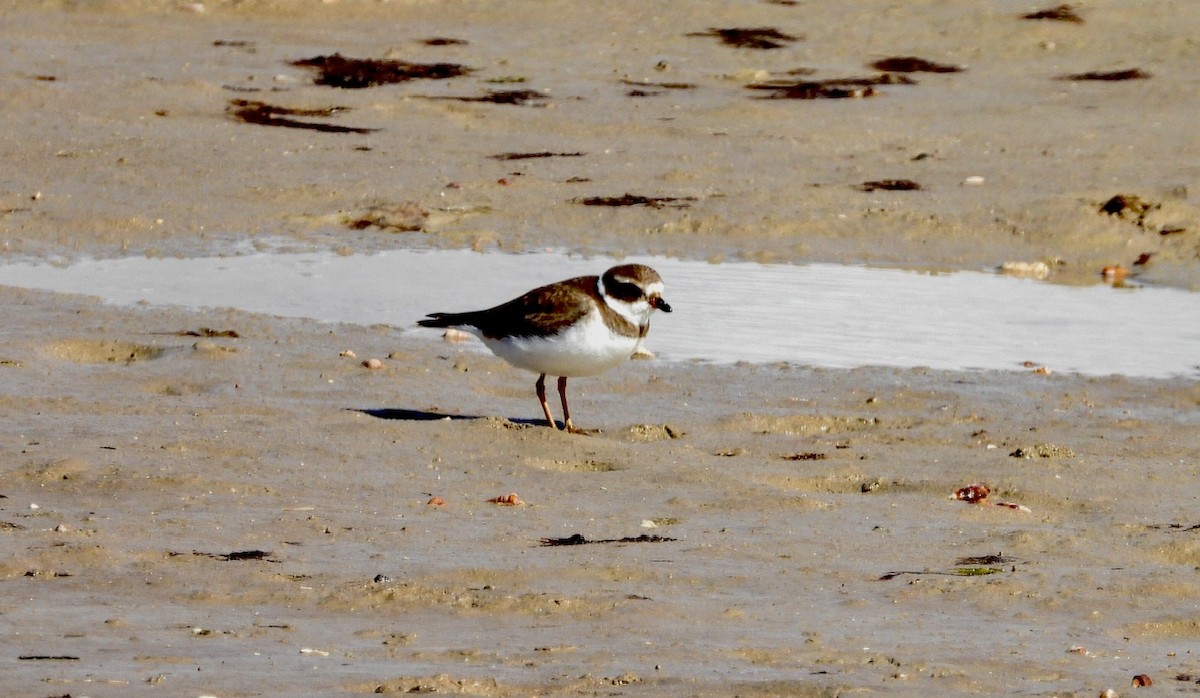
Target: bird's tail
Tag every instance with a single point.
(444, 320)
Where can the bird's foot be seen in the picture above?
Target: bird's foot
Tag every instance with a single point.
(572, 429)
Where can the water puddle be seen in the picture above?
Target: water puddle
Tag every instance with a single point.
(819, 315)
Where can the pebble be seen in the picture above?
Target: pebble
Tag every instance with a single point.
(1114, 273)
(373, 363)
(1026, 270)
(973, 181)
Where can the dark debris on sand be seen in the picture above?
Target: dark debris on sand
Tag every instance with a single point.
(890, 185)
(763, 38)
(1108, 76)
(264, 114)
(636, 200)
(912, 64)
(834, 88)
(578, 539)
(336, 70)
(514, 97)
(1061, 13)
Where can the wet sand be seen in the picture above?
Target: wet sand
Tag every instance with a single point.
(123, 122)
(250, 515)
(789, 494)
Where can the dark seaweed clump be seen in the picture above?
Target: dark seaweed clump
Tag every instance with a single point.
(755, 38)
(835, 88)
(1062, 13)
(265, 114)
(579, 539)
(238, 555)
(515, 97)
(531, 156)
(1109, 76)
(636, 200)
(355, 73)
(912, 64)
(1126, 206)
(890, 185)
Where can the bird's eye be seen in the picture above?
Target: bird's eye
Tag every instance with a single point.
(627, 291)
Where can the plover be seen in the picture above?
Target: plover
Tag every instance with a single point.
(576, 327)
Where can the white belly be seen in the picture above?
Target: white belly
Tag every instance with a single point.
(585, 349)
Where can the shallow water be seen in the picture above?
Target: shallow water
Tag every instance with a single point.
(820, 315)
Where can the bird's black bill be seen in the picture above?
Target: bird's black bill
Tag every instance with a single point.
(662, 305)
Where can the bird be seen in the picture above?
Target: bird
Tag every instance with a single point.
(577, 327)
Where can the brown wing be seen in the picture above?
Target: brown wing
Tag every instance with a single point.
(540, 312)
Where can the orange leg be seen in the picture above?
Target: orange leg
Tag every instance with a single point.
(562, 393)
(541, 393)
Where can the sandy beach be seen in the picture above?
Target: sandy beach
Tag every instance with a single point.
(217, 502)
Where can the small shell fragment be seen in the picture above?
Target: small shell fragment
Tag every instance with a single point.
(348, 354)
(1142, 681)
(1026, 270)
(373, 364)
(436, 502)
(973, 493)
(511, 499)
(1114, 274)
(977, 493)
(454, 336)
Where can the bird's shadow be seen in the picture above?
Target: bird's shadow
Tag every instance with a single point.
(409, 415)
